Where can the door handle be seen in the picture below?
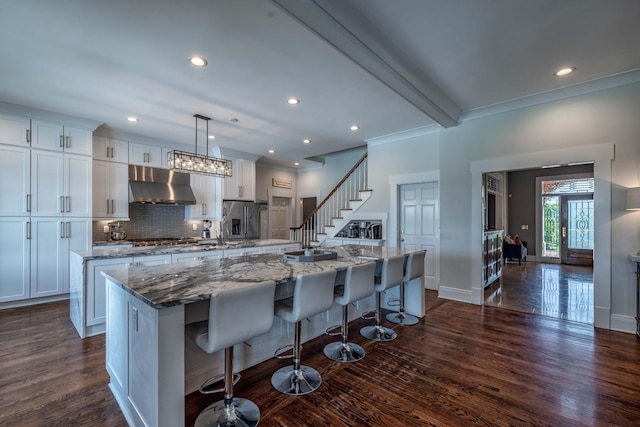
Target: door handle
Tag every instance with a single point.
(564, 231)
(402, 239)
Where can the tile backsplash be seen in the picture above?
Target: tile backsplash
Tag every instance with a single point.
(152, 221)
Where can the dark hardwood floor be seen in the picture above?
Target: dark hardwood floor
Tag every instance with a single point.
(461, 365)
(555, 290)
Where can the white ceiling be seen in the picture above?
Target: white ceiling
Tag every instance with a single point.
(388, 66)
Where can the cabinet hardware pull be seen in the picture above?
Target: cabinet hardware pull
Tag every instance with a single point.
(62, 141)
(68, 230)
(28, 135)
(62, 230)
(68, 203)
(107, 206)
(28, 229)
(112, 150)
(28, 202)
(68, 141)
(107, 152)
(62, 204)
(240, 191)
(112, 209)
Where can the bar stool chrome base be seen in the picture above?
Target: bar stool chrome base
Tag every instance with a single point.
(344, 352)
(402, 318)
(241, 413)
(296, 382)
(378, 333)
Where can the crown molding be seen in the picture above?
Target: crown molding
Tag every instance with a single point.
(402, 135)
(608, 82)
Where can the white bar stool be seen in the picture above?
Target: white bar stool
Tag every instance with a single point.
(312, 294)
(414, 268)
(392, 275)
(358, 284)
(235, 315)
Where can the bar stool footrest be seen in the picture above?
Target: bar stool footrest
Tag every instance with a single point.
(278, 353)
(331, 330)
(369, 315)
(217, 379)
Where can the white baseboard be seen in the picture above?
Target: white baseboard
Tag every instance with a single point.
(455, 294)
(623, 323)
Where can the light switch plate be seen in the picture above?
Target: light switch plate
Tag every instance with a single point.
(195, 227)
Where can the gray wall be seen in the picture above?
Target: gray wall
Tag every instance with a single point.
(521, 200)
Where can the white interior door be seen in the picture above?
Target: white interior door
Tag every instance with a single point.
(420, 226)
(281, 217)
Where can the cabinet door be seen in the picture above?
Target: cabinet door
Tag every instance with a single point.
(100, 184)
(47, 257)
(77, 184)
(119, 190)
(145, 155)
(15, 180)
(206, 189)
(96, 295)
(119, 151)
(78, 236)
(47, 179)
(248, 184)
(14, 130)
(149, 260)
(78, 141)
(233, 253)
(49, 136)
(14, 258)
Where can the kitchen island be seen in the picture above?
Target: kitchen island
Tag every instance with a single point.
(154, 313)
(87, 286)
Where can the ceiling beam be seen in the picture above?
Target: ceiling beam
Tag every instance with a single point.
(352, 36)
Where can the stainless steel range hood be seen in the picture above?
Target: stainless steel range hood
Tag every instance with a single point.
(160, 186)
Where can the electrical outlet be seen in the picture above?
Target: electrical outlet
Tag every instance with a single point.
(195, 227)
(524, 227)
(105, 229)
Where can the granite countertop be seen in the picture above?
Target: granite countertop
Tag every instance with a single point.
(123, 252)
(175, 284)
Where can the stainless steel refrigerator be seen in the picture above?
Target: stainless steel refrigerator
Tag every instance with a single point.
(240, 220)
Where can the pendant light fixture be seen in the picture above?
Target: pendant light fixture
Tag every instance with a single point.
(183, 161)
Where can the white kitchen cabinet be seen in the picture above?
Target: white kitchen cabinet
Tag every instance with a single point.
(110, 150)
(15, 130)
(14, 259)
(110, 190)
(15, 180)
(149, 260)
(53, 136)
(196, 256)
(51, 241)
(95, 288)
(241, 185)
(60, 184)
(208, 193)
(145, 155)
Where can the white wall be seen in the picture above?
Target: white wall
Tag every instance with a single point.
(609, 116)
(605, 117)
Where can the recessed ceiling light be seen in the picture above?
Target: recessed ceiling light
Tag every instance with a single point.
(212, 137)
(297, 164)
(564, 71)
(293, 101)
(306, 141)
(272, 151)
(198, 61)
(132, 119)
(355, 127)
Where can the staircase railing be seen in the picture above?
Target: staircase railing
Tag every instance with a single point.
(323, 215)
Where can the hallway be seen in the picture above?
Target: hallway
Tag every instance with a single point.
(554, 290)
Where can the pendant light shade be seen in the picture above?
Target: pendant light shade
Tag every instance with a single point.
(183, 161)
